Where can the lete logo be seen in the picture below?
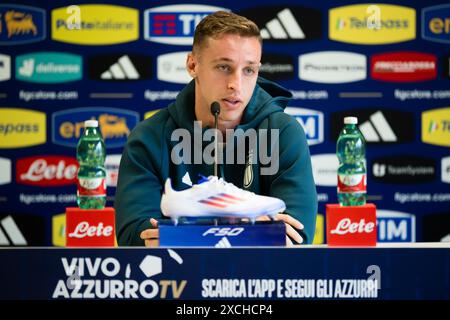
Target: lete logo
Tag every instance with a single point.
(347, 226)
(87, 228)
(47, 171)
(83, 229)
(403, 66)
(353, 225)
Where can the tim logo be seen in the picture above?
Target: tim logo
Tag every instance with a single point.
(21, 24)
(396, 226)
(115, 125)
(311, 122)
(175, 24)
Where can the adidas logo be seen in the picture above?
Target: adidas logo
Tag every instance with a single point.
(221, 200)
(284, 26)
(377, 129)
(9, 229)
(122, 69)
(223, 243)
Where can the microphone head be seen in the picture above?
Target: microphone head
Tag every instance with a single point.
(215, 108)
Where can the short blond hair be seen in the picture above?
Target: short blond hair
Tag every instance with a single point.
(222, 22)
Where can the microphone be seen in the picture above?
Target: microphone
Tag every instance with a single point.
(215, 110)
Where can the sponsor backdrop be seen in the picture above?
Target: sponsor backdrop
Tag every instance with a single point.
(387, 63)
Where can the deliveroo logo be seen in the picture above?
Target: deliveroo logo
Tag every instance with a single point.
(49, 67)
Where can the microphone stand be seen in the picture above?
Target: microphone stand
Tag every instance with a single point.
(215, 111)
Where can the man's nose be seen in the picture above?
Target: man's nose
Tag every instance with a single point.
(234, 81)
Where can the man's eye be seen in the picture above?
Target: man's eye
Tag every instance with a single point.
(249, 71)
(223, 67)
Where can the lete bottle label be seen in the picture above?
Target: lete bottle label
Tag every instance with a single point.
(351, 183)
(91, 186)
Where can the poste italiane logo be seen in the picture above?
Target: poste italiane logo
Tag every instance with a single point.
(94, 24)
(436, 126)
(372, 24)
(21, 128)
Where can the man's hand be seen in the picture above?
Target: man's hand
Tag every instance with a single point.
(151, 236)
(290, 223)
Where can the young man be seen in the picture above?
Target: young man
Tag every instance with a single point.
(224, 65)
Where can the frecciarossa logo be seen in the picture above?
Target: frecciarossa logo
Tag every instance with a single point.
(47, 171)
(403, 66)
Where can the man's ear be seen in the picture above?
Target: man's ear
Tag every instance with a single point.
(191, 63)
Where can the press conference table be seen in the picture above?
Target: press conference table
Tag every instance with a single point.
(385, 272)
